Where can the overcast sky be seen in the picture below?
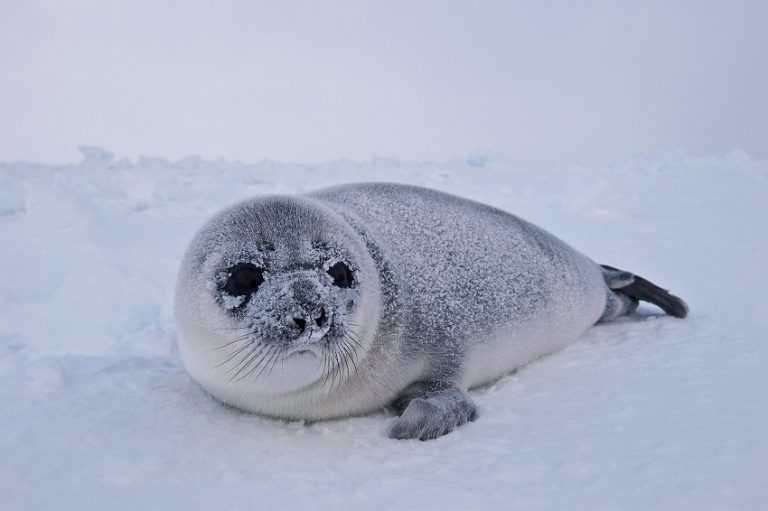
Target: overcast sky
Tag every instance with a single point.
(310, 81)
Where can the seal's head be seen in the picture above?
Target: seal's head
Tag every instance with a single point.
(272, 298)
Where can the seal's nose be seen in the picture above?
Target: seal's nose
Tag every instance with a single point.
(320, 318)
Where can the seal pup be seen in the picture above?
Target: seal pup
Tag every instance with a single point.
(356, 297)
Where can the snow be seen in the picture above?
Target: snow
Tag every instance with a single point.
(646, 413)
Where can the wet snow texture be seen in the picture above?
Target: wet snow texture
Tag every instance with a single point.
(648, 413)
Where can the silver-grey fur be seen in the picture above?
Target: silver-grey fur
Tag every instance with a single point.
(448, 294)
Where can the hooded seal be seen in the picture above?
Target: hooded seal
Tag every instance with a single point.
(352, 298)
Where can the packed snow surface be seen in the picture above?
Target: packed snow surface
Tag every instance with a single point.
(649, 412)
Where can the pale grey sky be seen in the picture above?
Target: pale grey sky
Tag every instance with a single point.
(309, 81)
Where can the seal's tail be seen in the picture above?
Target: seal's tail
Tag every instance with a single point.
(627, 289)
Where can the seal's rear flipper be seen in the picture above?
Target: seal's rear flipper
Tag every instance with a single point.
(637, 288)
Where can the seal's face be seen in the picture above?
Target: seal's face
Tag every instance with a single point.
(295, 309)
(274, 293)
(293, 298)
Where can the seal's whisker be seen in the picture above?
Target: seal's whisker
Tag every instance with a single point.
(250, 357)
(353, 349)
(331, 368)
(273, 351)
(326, 367)
(244, 360)
(233, 341)
(255, 351)
(258, 358)
(353, 326)
(233, 355)
(339, 359)
(349, 358)
(353, 339)
(278, 357)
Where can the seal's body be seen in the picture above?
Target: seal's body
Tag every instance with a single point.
(361, 296)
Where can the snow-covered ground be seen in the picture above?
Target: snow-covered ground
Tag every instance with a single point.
(647, 413)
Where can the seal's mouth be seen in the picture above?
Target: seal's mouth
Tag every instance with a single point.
(303, 352)
(312, 341)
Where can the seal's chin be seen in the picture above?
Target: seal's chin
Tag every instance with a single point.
(298, 367)
(302, 363)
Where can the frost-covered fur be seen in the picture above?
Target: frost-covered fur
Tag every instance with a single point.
(448, 294)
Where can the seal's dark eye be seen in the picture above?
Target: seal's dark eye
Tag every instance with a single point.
(341, 274)
(243, 279)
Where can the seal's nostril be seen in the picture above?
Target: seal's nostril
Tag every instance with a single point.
(300, 323)
(320, 321)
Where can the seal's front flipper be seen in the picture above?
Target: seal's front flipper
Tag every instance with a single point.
(431, 409)
(633, 288)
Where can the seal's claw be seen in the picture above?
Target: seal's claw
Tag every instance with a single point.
(431, 417)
